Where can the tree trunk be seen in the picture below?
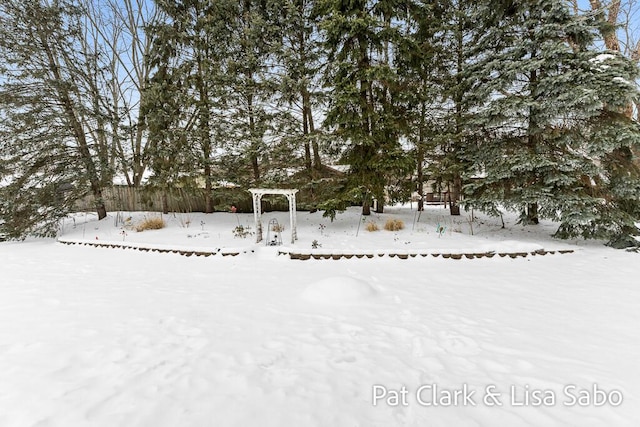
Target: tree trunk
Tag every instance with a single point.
(305, 135)
(165, 203)
(532, 213)
(608, 32)
(101, 209)
(138, 163)
(307, 116)
(366, 205)
(454, 195)
(455, 187)
(254, 145)
(380, 203)
(307, 156)
(533, 138)
(255, 167)
(420, 160)
(317, 162)
(208, 199)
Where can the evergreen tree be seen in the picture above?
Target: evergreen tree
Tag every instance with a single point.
(301, 56)
(251, 82)
(455, 135)
(547, 102)
(53, 131)
(167, 119)
(364, 108)
(189, 52)
(434, 62)
(417, 67)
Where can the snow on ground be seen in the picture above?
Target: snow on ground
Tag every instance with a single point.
(112, 337)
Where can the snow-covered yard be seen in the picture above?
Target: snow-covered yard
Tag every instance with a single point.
(112, 337)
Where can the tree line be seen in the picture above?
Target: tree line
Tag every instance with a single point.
(524, 106)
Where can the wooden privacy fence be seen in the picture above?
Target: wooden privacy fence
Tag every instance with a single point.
(122, 198)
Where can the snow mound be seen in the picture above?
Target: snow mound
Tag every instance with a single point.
(338, 289)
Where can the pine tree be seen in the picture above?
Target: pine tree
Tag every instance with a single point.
(251, 82)
(434, 63)
(301, 57)
(546, 103)
(53, 130)
(189, 51)
(164, 107)
(364, 105)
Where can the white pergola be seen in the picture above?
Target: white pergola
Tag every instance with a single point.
(257, 194)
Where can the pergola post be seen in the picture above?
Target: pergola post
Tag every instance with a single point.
(257, 214)
(294, 219)
(257, 194)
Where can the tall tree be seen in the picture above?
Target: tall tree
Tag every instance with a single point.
(364, 105)
(435, 61)
(54, 128)
(167, 118)
(251, 82)
(117, 27)
(189, 51)
(546, 102)
(456, 136)
(301, 56)
(419, 72)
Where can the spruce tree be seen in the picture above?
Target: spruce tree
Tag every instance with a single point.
(251, 82)
(301, 57)
(364, 108)
(434, 63)
(167, 117)
(547, 102)
(189, 52)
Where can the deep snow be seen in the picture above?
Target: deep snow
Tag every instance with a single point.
(104, 337)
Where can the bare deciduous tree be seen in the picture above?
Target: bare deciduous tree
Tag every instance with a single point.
(118, 30)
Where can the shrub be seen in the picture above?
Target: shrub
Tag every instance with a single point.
(393, 225)
(242, 231)
(372, 226)
(185, 220)
(155, 223)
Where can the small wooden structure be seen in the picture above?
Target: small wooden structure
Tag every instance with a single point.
(257, 194)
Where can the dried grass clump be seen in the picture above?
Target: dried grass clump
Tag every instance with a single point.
(394, 225)
(155, 223)
(372, 226)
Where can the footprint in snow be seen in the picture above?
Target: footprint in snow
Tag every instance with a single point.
(196, 344)
(408, 317)
(280, 378)
(458, 344)
(179, 327)
(431, 365)
(117, 355)
(495, 367)
(273, 345)
(419, 344)
(524, 365)
(189, 332)
(345, 359)
(349, 329)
